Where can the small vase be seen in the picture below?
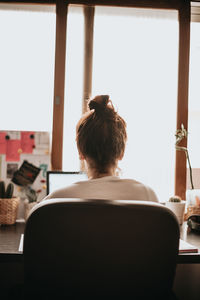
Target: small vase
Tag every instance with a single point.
(178, 209)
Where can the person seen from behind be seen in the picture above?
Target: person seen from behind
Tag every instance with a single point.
(101, 140)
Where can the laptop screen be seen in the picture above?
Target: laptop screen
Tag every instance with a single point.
(60, 179)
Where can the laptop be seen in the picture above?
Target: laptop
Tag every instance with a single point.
(60, 179)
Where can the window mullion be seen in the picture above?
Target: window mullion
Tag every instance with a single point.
(88, 54)
(59, 85)
(182, 103)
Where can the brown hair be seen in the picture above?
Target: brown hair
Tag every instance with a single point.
(101, 135)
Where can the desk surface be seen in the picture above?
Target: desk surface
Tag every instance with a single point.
(10, 239)
(193, 238)
(10, 236)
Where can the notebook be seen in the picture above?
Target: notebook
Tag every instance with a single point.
(60, 179)
(185, 247)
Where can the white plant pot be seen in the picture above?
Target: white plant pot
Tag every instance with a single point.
(178, 209)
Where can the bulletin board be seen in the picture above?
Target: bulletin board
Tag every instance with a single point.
(19, 146)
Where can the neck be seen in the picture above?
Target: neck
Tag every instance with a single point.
(93, 173)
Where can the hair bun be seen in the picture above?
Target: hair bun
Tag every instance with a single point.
(99, 103)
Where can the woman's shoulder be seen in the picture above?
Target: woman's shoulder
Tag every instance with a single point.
(141, 188)
(131, 182)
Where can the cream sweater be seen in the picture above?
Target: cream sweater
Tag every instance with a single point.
(108, 188)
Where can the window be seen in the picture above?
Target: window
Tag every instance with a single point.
(27, 36)
(144, 90)
(135, 59)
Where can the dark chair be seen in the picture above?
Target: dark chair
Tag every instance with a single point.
(93, 249)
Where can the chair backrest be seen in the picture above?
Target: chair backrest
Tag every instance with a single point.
(100, 247)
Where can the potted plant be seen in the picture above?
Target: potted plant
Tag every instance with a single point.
(180, 135)
(192, 195)
(177, 205)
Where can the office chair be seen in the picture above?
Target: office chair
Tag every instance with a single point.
(100, 249)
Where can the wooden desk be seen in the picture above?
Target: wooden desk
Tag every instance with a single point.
(10, 239)
(11, 260)
(9, 242)
(186, 284)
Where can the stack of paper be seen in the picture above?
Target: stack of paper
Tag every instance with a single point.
(185, 247)
(21, 243)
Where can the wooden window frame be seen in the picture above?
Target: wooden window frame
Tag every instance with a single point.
(59, 86)
(183, 7)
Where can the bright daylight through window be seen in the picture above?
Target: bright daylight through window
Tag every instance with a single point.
(27, 56)
(135, 61)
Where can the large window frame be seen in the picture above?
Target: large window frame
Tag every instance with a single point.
(183, 7)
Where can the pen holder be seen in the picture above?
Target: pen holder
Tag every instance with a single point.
(8, 210)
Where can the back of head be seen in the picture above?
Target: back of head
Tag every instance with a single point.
(101, 134)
